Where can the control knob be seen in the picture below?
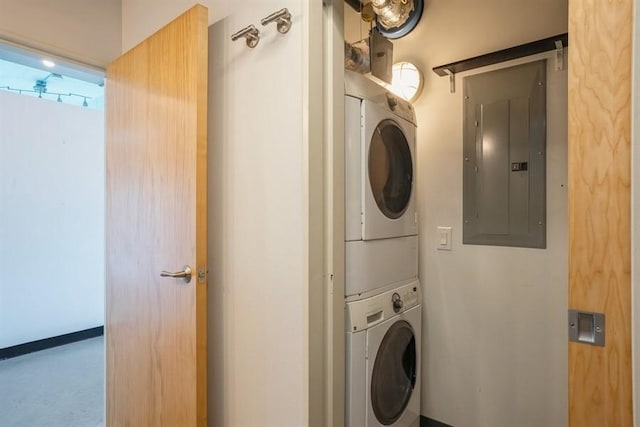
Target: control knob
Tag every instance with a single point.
(393, 103)
(397, 302)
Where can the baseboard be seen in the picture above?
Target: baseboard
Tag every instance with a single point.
(30, 347)
(428, 422)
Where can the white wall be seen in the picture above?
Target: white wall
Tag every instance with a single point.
(258, 288)
(494, 334)
(88, 31)
(51, 219)
(141, 18)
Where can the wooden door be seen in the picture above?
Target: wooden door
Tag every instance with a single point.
(600, 387)
(156, 220)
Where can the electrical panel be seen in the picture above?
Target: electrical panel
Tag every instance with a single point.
(504, 164)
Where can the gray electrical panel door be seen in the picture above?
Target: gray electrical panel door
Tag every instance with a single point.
(504, 185)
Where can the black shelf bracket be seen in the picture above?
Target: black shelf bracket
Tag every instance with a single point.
(557, 43)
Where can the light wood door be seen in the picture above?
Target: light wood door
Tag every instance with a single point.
(600, 389)
(156, 220)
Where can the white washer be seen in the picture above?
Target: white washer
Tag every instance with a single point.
(381, 243)
(383, 359)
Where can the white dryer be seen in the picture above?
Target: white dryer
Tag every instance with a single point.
(383, 359)
(380, 208)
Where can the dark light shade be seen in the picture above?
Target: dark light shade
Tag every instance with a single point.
(405, 28)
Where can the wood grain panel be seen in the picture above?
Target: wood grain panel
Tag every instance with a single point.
(600, 389)
(156, 220)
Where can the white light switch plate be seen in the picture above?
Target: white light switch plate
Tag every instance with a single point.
(444, 238)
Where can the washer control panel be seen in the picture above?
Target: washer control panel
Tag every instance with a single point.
(368, 312)
(409, 298)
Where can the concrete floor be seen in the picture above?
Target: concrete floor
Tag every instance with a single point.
(58, 387)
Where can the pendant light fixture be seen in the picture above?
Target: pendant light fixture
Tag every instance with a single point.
(394, 18)
(397, 18)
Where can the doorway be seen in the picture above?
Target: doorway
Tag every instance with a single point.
(51, 240)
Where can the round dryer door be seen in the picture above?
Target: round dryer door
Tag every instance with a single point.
(394, 373)
(390, 169)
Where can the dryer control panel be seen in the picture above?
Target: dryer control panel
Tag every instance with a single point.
(368, 312)
(401, 107)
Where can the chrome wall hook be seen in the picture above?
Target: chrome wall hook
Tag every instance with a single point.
(282, 18)
(251, 33)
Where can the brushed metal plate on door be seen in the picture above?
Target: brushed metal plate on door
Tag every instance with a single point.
(587, 327)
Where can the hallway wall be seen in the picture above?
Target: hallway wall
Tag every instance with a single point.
(51, 218)
(88, 31)
(141, 18)
(494, 340)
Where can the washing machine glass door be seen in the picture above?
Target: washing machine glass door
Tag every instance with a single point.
(390, 169)
(394, 373)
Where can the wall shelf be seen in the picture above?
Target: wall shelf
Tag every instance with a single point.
(508, 54)
(551, 43)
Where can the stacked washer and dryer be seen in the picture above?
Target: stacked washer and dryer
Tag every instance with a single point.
(383, 311)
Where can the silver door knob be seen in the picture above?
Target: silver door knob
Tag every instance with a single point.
(185, 274)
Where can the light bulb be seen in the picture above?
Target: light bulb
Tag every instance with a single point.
(406, 81)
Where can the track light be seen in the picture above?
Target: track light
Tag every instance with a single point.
(39, 91)
(51, 85)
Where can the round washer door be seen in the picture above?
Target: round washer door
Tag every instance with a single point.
(394, 373)
(390, 169)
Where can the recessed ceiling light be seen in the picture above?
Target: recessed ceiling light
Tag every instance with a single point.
(47, 63)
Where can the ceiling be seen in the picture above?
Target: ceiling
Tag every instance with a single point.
(66, 81)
